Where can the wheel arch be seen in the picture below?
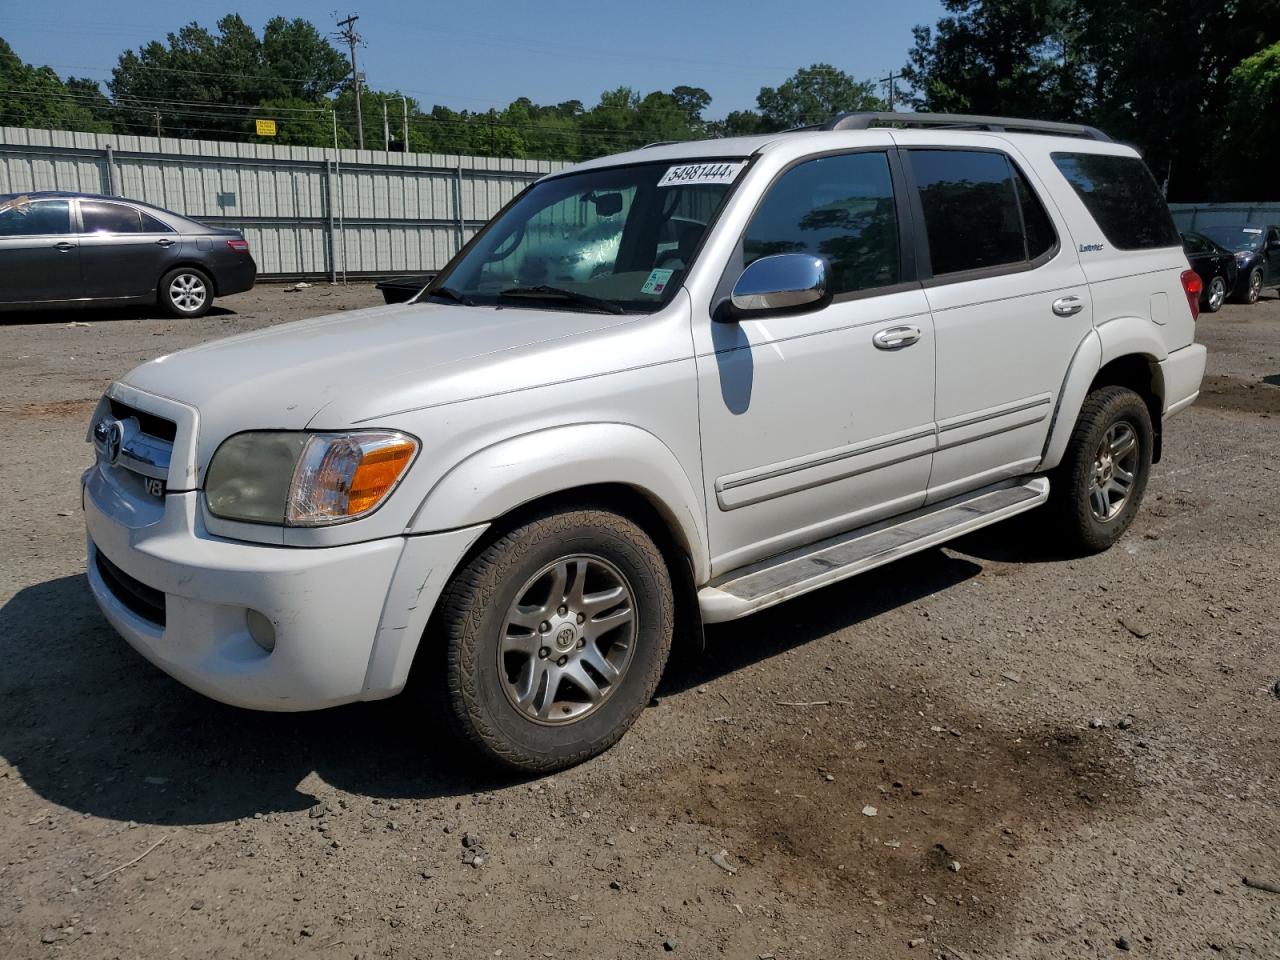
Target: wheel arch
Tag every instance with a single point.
(189, 264)
(1125, 352)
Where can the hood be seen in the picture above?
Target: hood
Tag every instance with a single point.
(358, 365)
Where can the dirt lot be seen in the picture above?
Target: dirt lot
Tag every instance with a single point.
(1066, 757)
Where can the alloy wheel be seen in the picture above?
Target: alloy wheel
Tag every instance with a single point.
(1217, 294)
(568, 639)
(1255, 286)
(1115, 465)
(188, 292)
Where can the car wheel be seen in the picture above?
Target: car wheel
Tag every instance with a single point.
(555, 636)
(1099, 486)
(1252, 286)
(1216, 294)
(186, 292)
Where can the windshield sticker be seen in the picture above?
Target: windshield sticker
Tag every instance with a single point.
(657, 282)
(1246, 229)
(692, 173)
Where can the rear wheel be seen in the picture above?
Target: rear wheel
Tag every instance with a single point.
(186, 292)
(1215, 295)
(555, 638)
(1099, 486)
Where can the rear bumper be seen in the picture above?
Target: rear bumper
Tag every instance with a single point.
(347, 619)
(235, 275)
(1181, 373)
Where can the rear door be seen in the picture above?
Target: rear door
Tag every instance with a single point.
(39, 256)
(123, 250)
(1271, 255)
(1010, 306)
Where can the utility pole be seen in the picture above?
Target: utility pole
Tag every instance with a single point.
(352, 39)
(404, 103)
(889, 80)
(386, 130)
(157, 123)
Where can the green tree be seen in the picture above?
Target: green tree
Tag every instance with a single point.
(1251, 142)
(814, 94)
(205, 84)
(36, 97)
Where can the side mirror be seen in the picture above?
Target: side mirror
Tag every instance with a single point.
(785, 283)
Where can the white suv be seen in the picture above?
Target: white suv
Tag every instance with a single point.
(673, 386)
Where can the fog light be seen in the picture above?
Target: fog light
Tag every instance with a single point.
(261, 629)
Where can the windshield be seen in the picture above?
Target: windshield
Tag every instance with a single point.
(1235, 238)
(619, 238)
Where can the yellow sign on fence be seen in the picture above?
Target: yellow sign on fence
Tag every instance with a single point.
(266, 128)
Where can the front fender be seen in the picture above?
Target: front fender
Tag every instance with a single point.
(496, 480)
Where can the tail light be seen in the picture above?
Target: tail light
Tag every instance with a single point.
(242, 246)
(1193, 286)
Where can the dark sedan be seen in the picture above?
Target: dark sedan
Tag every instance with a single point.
(74, 249)
(1216, 266)
(1257, 252)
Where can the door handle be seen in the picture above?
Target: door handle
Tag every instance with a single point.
(895, 338)
(63, 247)
(1067, 306)
(166, 242)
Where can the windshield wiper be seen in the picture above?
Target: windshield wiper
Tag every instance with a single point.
(544, 292)
(450, 294)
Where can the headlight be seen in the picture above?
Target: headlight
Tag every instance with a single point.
(1242, 257)
(306, 479)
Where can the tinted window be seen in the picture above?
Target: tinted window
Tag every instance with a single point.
(1041, 237)
(20, 217)
(101, 217)
(840, 208)
(970, 209)
(1123, 198)
(151, 225)
(1194, 243)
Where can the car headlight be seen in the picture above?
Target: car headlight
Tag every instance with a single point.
(1242, 257)
(306, 479)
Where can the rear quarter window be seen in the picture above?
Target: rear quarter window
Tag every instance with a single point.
(1122, 197)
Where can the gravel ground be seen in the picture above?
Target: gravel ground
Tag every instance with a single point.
(985, 751)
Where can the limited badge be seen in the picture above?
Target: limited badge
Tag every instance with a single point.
(657, 282)
(691, 173)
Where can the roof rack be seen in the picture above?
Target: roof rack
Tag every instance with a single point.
(957, 121)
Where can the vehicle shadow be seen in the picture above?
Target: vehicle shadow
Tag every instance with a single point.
(92, 727)
(144, 311)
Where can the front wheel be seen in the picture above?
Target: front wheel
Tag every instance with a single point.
(186, 292)
(555, 637)
(1251, 289)
(1099, 486)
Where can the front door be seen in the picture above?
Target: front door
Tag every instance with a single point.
(123, 250)
(39, 256)
(809, 425)
(1010, 306)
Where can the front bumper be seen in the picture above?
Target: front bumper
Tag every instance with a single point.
(347, 619)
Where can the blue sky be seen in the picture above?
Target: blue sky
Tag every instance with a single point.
(484, 53)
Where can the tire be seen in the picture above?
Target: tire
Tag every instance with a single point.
(1250, 286)
(1216, 295)
(506, 637)
(186, 292)
(1076, 499)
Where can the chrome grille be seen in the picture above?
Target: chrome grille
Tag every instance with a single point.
(134, 440)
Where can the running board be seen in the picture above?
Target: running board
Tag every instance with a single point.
(790, 574)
